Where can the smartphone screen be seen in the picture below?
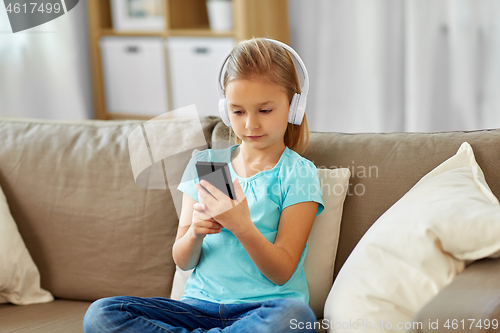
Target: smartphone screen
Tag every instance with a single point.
(217, 174)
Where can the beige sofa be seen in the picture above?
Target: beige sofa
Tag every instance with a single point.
(92, 232)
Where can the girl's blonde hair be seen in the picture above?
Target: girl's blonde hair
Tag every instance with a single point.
(258, 58)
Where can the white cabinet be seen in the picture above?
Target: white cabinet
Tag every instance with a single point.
(193, 68)
(134, 70)
(181, 19)
(134, 74)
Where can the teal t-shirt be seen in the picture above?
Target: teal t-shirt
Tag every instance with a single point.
(225, 272)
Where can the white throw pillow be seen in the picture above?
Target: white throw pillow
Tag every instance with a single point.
(416, 248)
(322, 244)
(19, 277)
(323, 240)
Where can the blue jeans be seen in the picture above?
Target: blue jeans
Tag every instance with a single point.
(137, 314)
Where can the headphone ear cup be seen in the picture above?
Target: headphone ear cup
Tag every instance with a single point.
(300, 111)
(292, 112)
(223, 112)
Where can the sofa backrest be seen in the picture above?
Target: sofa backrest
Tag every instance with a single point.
(90, 229)
(384, 166)
(94, 233)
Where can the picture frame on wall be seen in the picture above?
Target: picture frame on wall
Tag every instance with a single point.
(146, 15)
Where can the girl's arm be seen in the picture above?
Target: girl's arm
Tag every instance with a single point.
(278, 260)
(193, 227)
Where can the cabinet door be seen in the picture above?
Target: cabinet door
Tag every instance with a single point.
(134, 75)
(193, 66)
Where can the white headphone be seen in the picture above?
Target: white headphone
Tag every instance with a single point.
(298, 103)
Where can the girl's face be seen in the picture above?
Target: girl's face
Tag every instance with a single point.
(258, 111)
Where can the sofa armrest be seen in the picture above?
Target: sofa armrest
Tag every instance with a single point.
(467, 304)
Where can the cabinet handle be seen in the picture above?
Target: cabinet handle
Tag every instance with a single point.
(201, 50)
(132, 49)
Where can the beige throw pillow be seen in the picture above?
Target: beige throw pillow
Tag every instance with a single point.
(322, 244)
(416, 248)
(323, 240)
(19, 277)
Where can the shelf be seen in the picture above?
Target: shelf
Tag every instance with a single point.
(196, 32)
(203, 32)
(111, 32)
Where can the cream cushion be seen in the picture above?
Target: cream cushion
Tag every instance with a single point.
(417, 247)
(322, 244)
(19, 276)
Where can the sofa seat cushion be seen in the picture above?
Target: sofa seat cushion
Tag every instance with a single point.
(60, 316)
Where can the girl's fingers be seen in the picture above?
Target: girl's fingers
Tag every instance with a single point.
(240, 195)
(200, 207)
(216, 208)
(216, 225)
(209, 224)
(214, 191)
(206, 227)
(208, 231)
(200, 217)
(203, 195)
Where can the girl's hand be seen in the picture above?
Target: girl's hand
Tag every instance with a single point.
(231, 214)
(202, 224)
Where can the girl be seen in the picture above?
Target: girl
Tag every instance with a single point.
(247, 253)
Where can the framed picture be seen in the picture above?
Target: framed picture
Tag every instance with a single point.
(137, 14)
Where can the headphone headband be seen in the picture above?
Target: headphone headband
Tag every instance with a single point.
(297, 107)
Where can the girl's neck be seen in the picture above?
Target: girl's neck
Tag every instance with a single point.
(248, 161)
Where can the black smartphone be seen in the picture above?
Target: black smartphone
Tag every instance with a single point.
(217, 174)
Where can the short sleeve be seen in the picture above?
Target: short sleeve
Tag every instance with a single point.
(300, 183)
(190, 176)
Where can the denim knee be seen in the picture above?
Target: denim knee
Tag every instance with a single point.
(97, 318)
(294, 316)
